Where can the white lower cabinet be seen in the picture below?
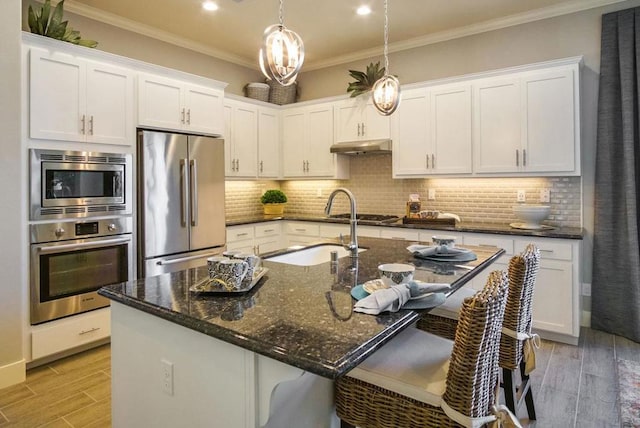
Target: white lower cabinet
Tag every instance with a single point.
(334, 231)
(68, 333)
(301, 232)
(259, 237)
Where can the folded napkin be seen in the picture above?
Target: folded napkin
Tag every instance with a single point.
(395, 298)
(436, 250)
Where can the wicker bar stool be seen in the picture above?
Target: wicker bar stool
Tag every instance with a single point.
(516, 331)
(422, 380)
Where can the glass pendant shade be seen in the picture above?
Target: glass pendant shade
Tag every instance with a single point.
(281, 55)
(386, 94)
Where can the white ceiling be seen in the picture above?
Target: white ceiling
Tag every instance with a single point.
(331, 30)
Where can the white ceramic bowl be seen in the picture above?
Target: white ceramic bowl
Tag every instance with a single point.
(531, 215)
(396, 273)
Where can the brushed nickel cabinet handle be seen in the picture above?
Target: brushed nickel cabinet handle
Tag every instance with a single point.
(427, 156)
(363, 133)
(182, 116)
(433, 160)
(189, 117)
(358, 130)
(91, 125)
(261, 166)
(517, 157)
(524, 157)
(82, 120)
(91, 330)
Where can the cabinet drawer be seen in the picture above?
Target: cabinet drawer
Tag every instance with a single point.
(549, 248)
(397, 233)
(239, 233)
(268, 229)
(490, 241)
(303, 228)
(68, 333)
(334, 230)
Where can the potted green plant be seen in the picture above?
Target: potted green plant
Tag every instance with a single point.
(273, 201)
(365, 80)
(49, 24)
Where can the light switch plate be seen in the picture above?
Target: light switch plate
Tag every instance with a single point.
(431, 194)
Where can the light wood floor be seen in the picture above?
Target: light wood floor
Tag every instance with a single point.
(574, 386)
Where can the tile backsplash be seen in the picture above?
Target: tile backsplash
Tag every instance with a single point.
(477, 200)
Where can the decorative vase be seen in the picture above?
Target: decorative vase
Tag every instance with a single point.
(273, 209)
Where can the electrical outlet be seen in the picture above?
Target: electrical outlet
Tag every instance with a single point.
(522, 196)
(167, 377)
(545, 195)
(431, 194)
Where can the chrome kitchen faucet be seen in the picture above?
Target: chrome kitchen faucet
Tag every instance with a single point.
(353, 245)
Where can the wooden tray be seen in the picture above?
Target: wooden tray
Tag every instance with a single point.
(430, 221)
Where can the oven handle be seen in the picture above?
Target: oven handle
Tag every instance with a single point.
(102, 243)
(184, 259)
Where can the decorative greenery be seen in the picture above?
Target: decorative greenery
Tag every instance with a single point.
(273, 196)
(51, 25)
(364, 81)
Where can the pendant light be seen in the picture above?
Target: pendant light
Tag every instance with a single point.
(386, 90)
(281, 54)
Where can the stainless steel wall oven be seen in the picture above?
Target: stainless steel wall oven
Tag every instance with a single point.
(67, 184)
(70, 261)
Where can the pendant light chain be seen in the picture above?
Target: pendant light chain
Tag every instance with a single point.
(386, 37)
(281, 12)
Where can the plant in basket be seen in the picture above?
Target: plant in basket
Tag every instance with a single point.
(273, 201)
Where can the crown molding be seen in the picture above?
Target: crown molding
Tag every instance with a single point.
(153, 32)
(491, 25)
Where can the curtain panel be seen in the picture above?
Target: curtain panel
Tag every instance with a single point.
(615, 293)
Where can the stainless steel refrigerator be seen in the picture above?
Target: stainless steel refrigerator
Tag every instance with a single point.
(180, 210)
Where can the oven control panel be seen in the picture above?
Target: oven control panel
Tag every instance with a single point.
(67, 230)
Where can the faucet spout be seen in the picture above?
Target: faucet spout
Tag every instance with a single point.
(353, 244)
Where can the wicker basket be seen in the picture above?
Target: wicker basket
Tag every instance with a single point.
(282, 94)
(258, 91)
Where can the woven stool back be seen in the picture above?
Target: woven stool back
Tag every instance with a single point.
(473, 370)
(523, 270)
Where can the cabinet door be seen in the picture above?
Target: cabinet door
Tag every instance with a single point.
(245, 140)
(293, 150)
(160, 102)
(203, 110)
(550, 118)
(319, 138)
(450, 130)
(268, 143)
(497, 130)
(57, 98)
(411, 134)
(348, 119)
(375, 126)
(109, 104)
(553, 297)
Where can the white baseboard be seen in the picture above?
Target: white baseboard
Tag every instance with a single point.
(13, 373)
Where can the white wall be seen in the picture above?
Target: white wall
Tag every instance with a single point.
(12, 207)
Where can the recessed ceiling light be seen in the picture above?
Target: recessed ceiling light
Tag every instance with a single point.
(363, 10)
(209, 5)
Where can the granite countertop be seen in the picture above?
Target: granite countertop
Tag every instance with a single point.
(300, 315)
(494, 228)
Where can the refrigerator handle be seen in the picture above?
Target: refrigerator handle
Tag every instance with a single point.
(183, 192)
(193, 182)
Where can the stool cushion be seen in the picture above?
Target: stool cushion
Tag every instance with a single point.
(414, 364)
(451, 307)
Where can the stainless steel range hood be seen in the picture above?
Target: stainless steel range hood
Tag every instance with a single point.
(362, 147)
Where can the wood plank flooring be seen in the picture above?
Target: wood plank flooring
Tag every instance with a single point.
(573, 386)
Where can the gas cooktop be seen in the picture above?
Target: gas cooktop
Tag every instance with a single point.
(368, 218)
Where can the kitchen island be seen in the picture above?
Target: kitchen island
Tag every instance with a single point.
(263, 358)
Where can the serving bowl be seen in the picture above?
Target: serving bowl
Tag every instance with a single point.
(531, 215)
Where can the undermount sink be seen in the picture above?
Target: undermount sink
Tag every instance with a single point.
(310, 256)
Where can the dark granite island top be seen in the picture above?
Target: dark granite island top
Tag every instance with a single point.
(299, 315)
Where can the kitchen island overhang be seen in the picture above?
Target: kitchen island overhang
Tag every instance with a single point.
(287, 316)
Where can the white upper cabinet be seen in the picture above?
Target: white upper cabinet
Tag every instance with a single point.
(431, 132)
(357, 119)
(172, 104)
(76, 99)
(307, 136)
(241, 139)
(528, 122)
(268, 142)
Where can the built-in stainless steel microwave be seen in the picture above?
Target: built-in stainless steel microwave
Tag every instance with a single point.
(68, 184)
